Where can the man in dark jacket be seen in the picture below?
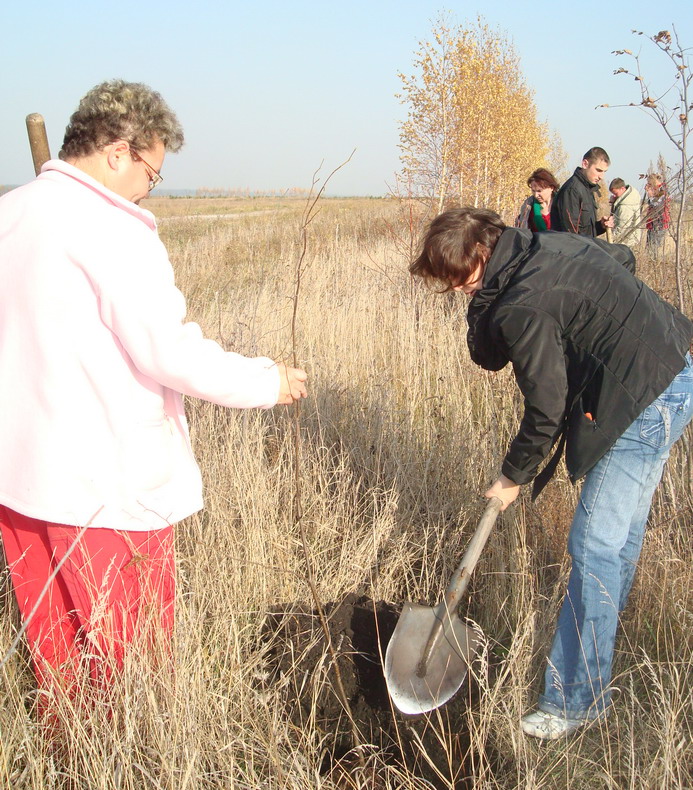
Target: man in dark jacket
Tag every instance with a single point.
(574, 209)
(604, 367)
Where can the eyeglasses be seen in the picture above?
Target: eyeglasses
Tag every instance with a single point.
(154, 178)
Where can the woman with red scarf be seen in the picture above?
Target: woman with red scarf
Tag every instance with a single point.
(657, 212)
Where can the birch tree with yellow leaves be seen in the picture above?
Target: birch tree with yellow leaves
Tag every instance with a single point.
(471, 136)
(428, 135)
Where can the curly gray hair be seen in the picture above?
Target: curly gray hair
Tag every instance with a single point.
(120, 110)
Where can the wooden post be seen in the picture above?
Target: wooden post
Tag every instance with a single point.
(38, 140)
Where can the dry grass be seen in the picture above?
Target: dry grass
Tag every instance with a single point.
(401, 433)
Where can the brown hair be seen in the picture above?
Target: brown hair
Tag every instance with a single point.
(617, 183)
(120, 110)
(545, 178)
(596, 154)
(450, 252)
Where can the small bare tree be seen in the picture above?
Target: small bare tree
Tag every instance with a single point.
(671, 109)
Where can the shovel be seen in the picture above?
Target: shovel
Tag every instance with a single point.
(429, 653)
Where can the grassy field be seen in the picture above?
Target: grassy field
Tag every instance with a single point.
(399, 437)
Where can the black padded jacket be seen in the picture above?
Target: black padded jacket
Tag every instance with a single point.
(574, 208)
(584, 336)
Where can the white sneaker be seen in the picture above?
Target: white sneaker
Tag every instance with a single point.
(548, 726)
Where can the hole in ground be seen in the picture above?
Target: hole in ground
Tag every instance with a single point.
(434, 746)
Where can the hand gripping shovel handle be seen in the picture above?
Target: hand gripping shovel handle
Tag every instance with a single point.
(460, 579)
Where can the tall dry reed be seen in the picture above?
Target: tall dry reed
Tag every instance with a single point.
(401, 435)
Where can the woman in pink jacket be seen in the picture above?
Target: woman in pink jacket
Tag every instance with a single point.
(96, 464)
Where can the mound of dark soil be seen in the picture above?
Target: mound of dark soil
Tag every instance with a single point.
(433, 746)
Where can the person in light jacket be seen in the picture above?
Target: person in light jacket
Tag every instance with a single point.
(626, 212)
(604, 368)
(96, 464)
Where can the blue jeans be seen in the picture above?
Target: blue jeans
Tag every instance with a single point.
(604, 542)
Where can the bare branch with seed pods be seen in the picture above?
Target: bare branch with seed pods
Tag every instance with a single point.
(671, 109)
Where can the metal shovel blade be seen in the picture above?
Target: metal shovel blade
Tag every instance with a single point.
(416, 691)
(426, 660)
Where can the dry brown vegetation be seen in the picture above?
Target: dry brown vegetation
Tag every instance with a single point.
(400, 435)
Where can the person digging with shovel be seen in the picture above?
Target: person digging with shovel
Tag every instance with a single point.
(605, 370)
(96, 464)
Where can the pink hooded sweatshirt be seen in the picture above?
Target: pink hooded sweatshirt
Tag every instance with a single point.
(94, 356)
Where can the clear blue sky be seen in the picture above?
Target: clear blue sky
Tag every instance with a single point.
(267, 91)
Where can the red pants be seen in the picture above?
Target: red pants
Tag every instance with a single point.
(114, 588)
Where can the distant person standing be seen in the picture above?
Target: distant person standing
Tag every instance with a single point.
(535, 212)
(657, 212)
(626, 211)
(574, 209)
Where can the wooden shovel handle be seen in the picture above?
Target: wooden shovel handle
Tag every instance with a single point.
(446, 609)
(460, 578)
(38, 140)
